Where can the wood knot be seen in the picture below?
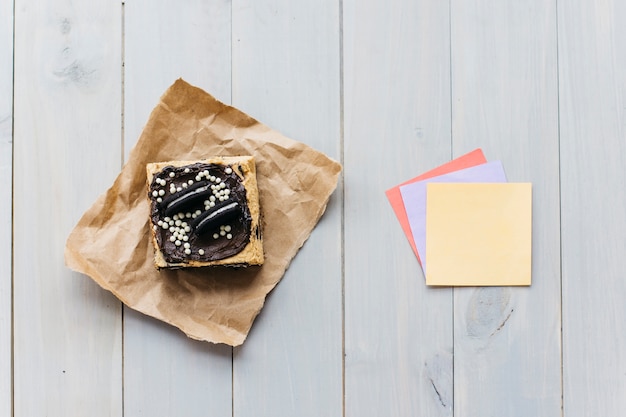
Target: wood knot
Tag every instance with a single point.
(438, 371)
(488, 311)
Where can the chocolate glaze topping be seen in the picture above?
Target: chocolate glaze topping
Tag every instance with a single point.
(228, 227)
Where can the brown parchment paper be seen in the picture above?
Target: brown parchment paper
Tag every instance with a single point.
(111, 242)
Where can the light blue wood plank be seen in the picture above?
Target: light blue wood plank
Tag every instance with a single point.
(67, 339)
(6, 154)
(286, 74)
(504, 94)
(398, 332)
(164, 42)
(165, 373)
(592, 101)
(168, 374)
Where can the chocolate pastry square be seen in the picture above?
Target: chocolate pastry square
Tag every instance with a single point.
(205, 213)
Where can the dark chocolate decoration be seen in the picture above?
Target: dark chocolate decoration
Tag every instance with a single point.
(238, 216)
(175, 203)
(216, 216)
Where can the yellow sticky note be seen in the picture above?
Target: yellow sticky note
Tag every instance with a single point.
(478, 234)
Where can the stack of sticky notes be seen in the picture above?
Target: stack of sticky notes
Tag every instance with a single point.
(466, 224)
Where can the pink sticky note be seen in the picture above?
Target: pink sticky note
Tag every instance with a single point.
(414, 197)
(394, 196)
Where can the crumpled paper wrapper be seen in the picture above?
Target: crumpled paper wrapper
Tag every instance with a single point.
(111, 242)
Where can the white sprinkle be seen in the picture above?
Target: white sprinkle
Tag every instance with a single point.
(172, 175)
(193, 216)
(198, 212)
(178, 223)
(215, 235)
(179, 189)
(227, 228)
(185, 185)
(212, 198)
(218, 180)
(186, 170)
(206, 173)
(227, 191)
(212, 204)
(200, 251)
(187, 229)
(228, 170)
(222, 233)
(155, 227)
(165, 226)
(155, 193)
(223, 185)
(212, 178)
(190, 182)
(229, 236)
(175, 217)
(172, 238)
(161, 193)
(159, 200)
(186, 245)
(198, 178)
(177, 243)
(187, 251)
(166, 219)
(188, 215)
(160, 222)
(185, 238)
(171, 222)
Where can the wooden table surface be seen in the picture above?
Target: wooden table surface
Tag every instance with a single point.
(389, 88)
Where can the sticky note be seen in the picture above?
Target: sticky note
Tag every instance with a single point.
(394, 196)
(414, 197)
(478, 234)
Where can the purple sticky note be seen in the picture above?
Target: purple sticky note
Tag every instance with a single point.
(414, 197)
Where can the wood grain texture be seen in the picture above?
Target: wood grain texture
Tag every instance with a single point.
(67, 151)
(398, 332)
(505, 100)
(6, 183)
(163, 42)
(286, 74)
(165, 373)
(592, 83)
